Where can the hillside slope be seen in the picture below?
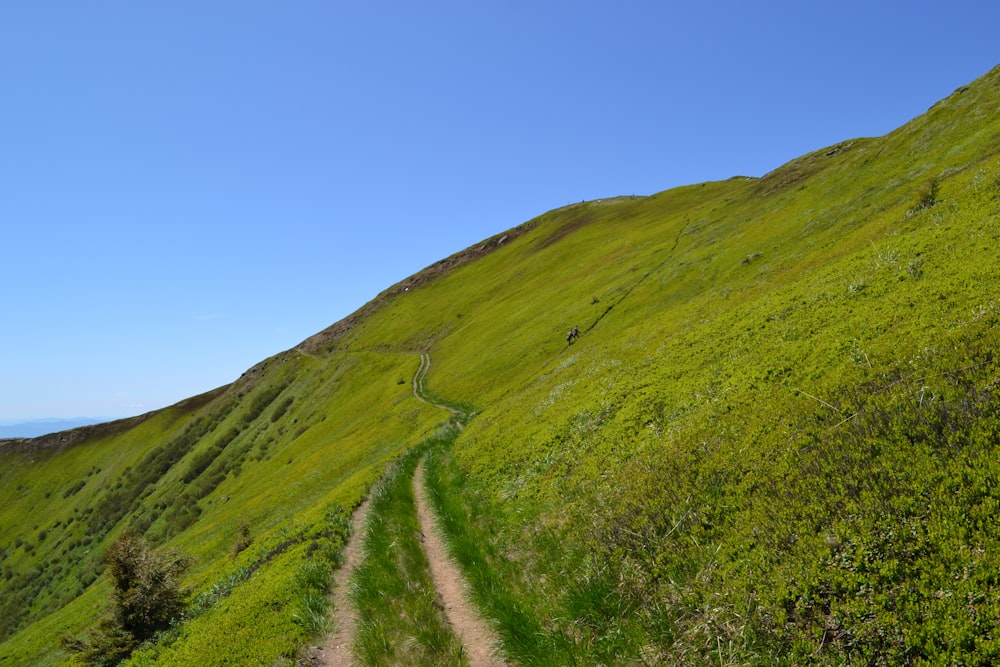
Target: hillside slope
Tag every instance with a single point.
(775, 440)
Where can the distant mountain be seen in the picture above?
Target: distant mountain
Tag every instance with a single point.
(36, 427)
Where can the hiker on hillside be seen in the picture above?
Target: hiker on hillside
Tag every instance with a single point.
(573, 334)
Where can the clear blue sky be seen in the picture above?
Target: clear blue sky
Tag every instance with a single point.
(188, 187)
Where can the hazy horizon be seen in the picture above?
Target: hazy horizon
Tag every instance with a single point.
(33, 428)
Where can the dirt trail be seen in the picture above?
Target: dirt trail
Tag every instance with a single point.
(479, 640)
(418, 378)
(419, 389)
(336, 651)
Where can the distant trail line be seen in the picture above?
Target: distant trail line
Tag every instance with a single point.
(418, 378)
(645, 276)
(420, 389)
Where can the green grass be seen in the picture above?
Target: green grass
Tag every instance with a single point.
(775, 441)
(671, 437)
(276, 479)
(501, 581)
(403, 621)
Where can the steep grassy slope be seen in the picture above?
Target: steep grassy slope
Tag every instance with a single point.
(727, 460)
(775, 441)
(245, 483)
(781, 440)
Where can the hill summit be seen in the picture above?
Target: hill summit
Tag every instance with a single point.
(775, 440)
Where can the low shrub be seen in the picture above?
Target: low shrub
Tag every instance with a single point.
(146, 599)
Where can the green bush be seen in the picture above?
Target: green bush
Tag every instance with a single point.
(147, 598)
(928, 197)
(281, 409)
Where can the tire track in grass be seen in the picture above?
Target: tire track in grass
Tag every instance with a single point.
(420, 392)
(479, 641)
(337, 651)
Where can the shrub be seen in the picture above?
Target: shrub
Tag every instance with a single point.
(243, 540)
(312, 604)
(928, 197)
(72, 490)
(146, 599)
(281, 409)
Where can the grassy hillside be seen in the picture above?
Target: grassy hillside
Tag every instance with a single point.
(775, 441)
(244, 483)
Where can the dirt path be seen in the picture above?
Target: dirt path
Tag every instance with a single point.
(479, 640)
(418, 378)
(419, 390)
(336, 651)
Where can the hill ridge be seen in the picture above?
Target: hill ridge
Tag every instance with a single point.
(678, 486)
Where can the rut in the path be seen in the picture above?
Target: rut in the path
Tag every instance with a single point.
(337, 649)
(420, 390)
(479, 641)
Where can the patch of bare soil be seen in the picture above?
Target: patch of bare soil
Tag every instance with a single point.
(336, 651)
(479, 640)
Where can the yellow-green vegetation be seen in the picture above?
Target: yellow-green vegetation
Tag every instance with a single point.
(776, 440)
(247, 483)
(403, 621)
(147, 599)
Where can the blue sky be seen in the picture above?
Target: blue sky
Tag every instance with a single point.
(187, 187)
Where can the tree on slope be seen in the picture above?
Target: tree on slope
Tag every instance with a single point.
(147, 598)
